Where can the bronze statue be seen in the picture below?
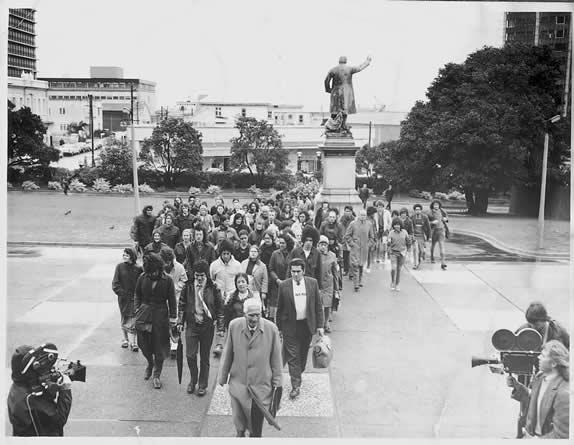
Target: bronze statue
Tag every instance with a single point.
(339, 83)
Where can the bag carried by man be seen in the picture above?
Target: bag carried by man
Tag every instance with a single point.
(322, 352)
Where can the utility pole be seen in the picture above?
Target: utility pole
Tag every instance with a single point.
(138, 112)
(134, 154)
(91, 99)
(370, 124)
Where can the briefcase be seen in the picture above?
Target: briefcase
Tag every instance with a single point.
(322, 352)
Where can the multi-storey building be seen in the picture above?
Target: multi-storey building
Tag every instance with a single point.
(111, 99)
(21, 42)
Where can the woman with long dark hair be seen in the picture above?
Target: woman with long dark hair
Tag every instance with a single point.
(278, 271)
(123, 285)
(234, 306)
(200, 249)
(156, 310)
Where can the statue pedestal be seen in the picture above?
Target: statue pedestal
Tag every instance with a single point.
(338, 187)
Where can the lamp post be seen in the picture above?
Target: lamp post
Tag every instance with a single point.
(318, 153)
(299, 154)
(134, 161)
(540, 243)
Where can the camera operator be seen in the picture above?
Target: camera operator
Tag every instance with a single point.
(547, 399)
(35, 410)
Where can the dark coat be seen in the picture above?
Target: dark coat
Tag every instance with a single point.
(124, 286)
(312, 263)
(193, 254)
(162, 304)
(265, 253)
(186, 312)
(241, 254)
(144, 227)
(179, 252)
(278, 266)
(287, 314)
(155, 247)
(554, 406)
(234, 307)
(169, 234)
(185, 222)
(49, 416)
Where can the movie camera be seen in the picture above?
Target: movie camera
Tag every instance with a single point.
(42, 364)
(518, 352)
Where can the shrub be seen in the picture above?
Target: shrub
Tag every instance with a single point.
(254, 190)
(101, 185)
(213, 190)
(123, 188)
(144, 188)
(441, 196)
(30, 186)
(194, 190)
(55, 185)
(88, 175)
(455, 195)
(78, 186)
(414, 193)
(426, 195)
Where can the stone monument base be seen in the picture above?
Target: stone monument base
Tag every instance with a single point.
(339, 173)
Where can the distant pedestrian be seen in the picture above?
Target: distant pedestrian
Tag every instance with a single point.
(330, 284)
(388, 195)
(399, 243)
(143, 228)
(346, 219)
(124, 285)
(383, 218)
(308, 253)
(360, 237)
(251, 365)
(156, 246)
(169, 231)
(421, 232)
(299, 316)
(364, 194)
(438, 219)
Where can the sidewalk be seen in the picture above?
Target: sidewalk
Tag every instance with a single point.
(40, 218)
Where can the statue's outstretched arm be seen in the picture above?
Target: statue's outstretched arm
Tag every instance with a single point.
(365, 64)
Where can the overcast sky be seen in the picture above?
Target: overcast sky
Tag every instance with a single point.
(266, 50)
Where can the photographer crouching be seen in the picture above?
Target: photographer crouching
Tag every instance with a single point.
(40, 397)
(547, 398)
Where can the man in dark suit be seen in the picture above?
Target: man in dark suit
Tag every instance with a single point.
(299, 316)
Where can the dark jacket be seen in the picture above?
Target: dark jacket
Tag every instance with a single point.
(265, 253)
(49, 416)
(186, 307)
(234, 307)
(124, 286)
(185, 222)
(287, 313)
(312, 263)
(241, 254)
(554, 406)
(169, 234)
(155, 247)
(179, 252)
(193, 253)
(144, 227)
(278, 266)
(332, 231)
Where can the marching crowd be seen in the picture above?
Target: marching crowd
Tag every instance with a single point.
(207, 269)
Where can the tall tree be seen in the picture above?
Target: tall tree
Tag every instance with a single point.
(173, 148)
(366, 159)
(482, 128)
(116, 162)
(258, 148)
(26, 147)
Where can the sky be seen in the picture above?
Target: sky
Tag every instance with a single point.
(267, 50)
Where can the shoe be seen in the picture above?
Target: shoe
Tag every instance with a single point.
(125, 344)
(432, 260)
(443, 266)
(360, 284)
(156, 383)
(135, 348)
(218, 350)
(294, 393)
(356, 289)
(393, 287)
(415, 267)
(190, 388)
(147, 373)
(240, 434)
(397, 288)
(201, 392)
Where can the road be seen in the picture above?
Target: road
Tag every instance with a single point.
(401, 366)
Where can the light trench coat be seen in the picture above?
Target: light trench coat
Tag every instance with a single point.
(360, 237)
(254, 361)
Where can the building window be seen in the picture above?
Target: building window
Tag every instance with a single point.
(218, 112)
(62, 110)
(560, 33)
(243, 112)
(300, 118)
(269, 114)
(560, 19)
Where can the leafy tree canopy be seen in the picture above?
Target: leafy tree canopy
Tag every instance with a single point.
(482, 127)
(174, 147)
(258, 148)
(116, 162)
(26, 147)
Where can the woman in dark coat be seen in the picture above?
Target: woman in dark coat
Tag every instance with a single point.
(155, 309)
(180, 248)
(238, 223)
(169, 232)
(123, 285)
(156, 245)
(185, 220)
(278, 271)
(200, 249)
(234, 306)
(267, 247)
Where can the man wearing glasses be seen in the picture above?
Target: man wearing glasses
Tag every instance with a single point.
(200, 310)
(299, 316)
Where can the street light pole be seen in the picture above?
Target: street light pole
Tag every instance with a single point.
(91, 99)
(541, 208)
(134, 154)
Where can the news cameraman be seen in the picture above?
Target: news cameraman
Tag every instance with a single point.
(548, 398)
(32, 409)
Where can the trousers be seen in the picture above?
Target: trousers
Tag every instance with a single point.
(295, 350)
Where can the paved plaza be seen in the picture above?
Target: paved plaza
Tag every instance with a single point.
(401, 366)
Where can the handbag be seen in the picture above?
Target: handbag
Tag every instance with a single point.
(322, 352)
(143, 318)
